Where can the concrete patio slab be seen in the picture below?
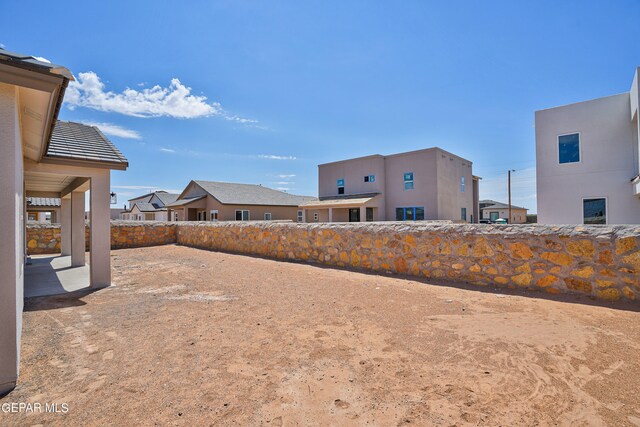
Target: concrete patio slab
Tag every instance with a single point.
(53, 275)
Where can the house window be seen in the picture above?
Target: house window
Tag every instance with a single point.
(369, 212)
(494, 215)
(300, 216)
(315, 216)
(462, 184)
(267, 216)
(370, 178)
(175, 216)
(569, 148)
(594, 211)
(340, 184)
(242, 215)
(410, 214)
(408, 181)
(213, 215)
(463, 214)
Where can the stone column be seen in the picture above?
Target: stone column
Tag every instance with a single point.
(100, 247)
(330, 214)
(77, 229)
(304, 215)
(363, 214)
(65, 225)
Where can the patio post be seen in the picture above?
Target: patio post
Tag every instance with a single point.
(330, 214)
(65, 225)
(77, 229)
(363, 213)
(100, 248)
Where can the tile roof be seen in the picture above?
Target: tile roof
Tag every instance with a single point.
(77, 141)
(229, 193)
(43, 201)
(166, 198)
(34, 63)
(182, 202)
(492, 204)
(149, 207)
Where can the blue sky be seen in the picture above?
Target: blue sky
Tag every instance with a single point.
(289, 85)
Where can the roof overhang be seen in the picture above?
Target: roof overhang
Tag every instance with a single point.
(344, 202)
(40, 95)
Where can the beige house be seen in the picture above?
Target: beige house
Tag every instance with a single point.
(225, 201)
(149, 207)
(42, 157)
(43, 209)
(587, 161)
(492, 210)
(430, 184)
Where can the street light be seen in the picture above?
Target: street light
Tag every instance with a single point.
(509, 186)
(114, 198)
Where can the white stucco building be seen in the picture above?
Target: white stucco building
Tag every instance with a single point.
(587, 159)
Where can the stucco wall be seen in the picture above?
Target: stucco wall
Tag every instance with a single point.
(608, 161)
(601, 261)
(11, 230)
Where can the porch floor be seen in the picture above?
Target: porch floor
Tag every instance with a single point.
(53, 275)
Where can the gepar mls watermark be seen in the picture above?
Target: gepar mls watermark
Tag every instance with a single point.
(34, 408)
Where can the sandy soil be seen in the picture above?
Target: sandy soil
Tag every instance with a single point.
(202, 338)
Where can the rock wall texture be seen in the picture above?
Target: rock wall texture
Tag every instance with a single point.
(45, 238)
(136, 234)
(600, 261)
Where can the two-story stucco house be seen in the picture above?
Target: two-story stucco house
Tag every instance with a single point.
(228, 201)
(429, 184)
(587, 161)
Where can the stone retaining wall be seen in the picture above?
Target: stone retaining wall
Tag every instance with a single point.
(136, 234)
(601, 261)
(45, 238)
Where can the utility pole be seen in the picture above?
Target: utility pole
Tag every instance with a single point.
(509, 185)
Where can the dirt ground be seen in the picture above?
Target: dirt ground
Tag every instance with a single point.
(190, 337)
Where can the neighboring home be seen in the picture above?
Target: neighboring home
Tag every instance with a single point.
(428, 184)
(587, 161)
(150, 207)
(226, 201)
(114, 213)
(43, 209)
(42, 157)
(492, 210)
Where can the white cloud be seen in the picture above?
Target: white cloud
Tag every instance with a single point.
(115, 130)
(174, 101)
(523, 188)
(282, 188)
(283, 182)
(284, 176)
(2, 45)
(167, 150)
(274, 157)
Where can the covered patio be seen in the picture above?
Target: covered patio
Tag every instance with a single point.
(78, 160)
(359, 208)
